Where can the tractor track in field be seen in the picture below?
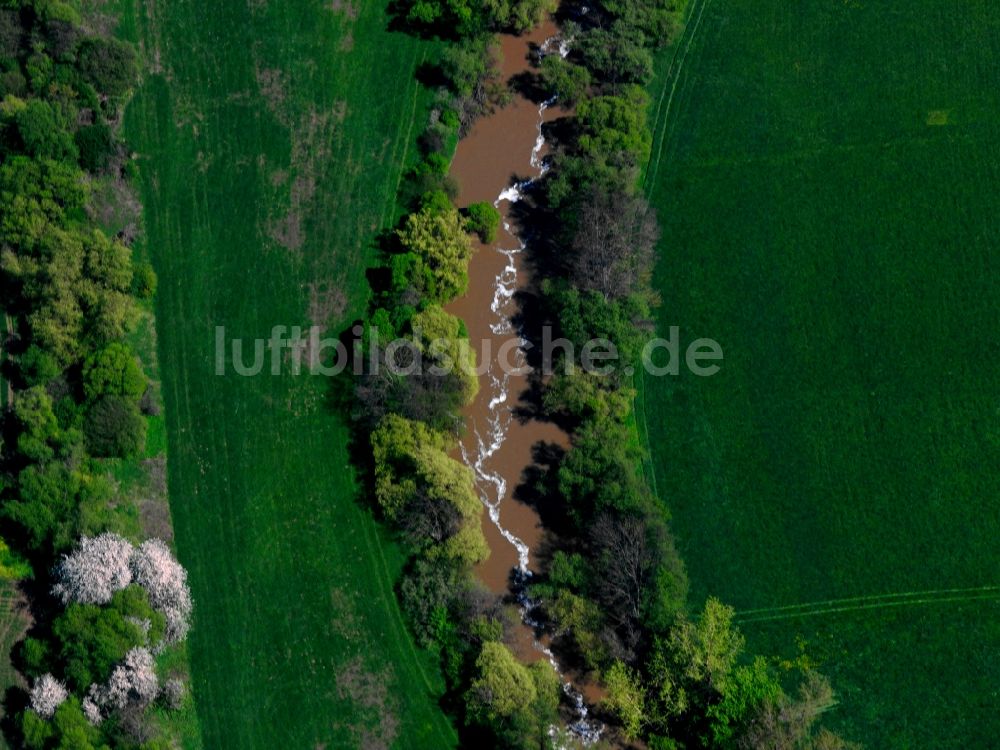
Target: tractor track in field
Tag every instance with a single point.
(874, 601)
(670, 87)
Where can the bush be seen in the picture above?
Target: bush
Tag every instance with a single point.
(113, 371)
(564, 80)
(484, 220)
(115, 428)
(517, 16)
(96, 144)
(44, 131)
(108, 65)
(144, 281)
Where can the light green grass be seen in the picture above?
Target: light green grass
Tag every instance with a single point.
(298, 641)
(837, 234)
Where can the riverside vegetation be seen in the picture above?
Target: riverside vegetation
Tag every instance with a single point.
(82, 439)
(614, 589)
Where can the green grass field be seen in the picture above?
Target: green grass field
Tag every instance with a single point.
(825, 174)
(270, 139)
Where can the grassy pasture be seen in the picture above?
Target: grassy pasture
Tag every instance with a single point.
(271, 138)
(826, 175)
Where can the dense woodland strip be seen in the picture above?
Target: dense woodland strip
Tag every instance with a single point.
(110, 609)
(614, 590)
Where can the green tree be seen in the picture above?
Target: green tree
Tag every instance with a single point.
(517, 16)
(691, 667)
(502, 686)
(440, 337)
(115, 428)
(425, 491)
(617, 56)
(113, 371)
(483, 219)
(40, 436)
(92, 639)
(565, 80)
(55, 504)
(749, 691)
(624, 698)
(613, 129)
(43, 128)
(440, 240)
(96, 144)
(109, 65)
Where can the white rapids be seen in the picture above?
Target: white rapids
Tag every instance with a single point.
(491, 486)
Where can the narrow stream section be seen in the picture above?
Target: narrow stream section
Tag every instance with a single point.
(498, 161)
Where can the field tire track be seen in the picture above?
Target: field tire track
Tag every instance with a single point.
(661, 118)
(875, 601)
(687, 42)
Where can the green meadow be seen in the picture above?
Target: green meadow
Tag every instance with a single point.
(826, 177)
(271, 138)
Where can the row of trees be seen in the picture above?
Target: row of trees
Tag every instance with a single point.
(615, 589)
(409, 423)
(103, 608)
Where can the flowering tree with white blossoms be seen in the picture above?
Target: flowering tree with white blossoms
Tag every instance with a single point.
(132, 683)
(101, 566)
(165, 580)
(90, 708)
(95, 570)
(47, 695)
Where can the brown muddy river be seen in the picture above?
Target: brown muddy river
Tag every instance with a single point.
(503, 150)
(488, 161)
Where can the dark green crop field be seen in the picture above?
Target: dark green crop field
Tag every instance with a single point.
(826, 174)
(271, 138)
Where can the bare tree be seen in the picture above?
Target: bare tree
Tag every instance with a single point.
(788, 724)
(615, 244)
(426, 518)
(626, 560)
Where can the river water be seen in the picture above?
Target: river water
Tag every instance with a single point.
(492, 163)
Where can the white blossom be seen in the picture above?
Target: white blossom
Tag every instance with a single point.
(90, 708)
(173, 693)
(165, 580)
(47, 695)
(93, 572)
(133, 682)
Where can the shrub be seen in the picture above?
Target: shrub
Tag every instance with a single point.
(144, 280)
(483, 219)
(113, 371)
(109, 65)
(96, 144)
(115, 428)
(564, 80)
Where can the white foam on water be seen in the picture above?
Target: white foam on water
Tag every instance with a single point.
(491, 486)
